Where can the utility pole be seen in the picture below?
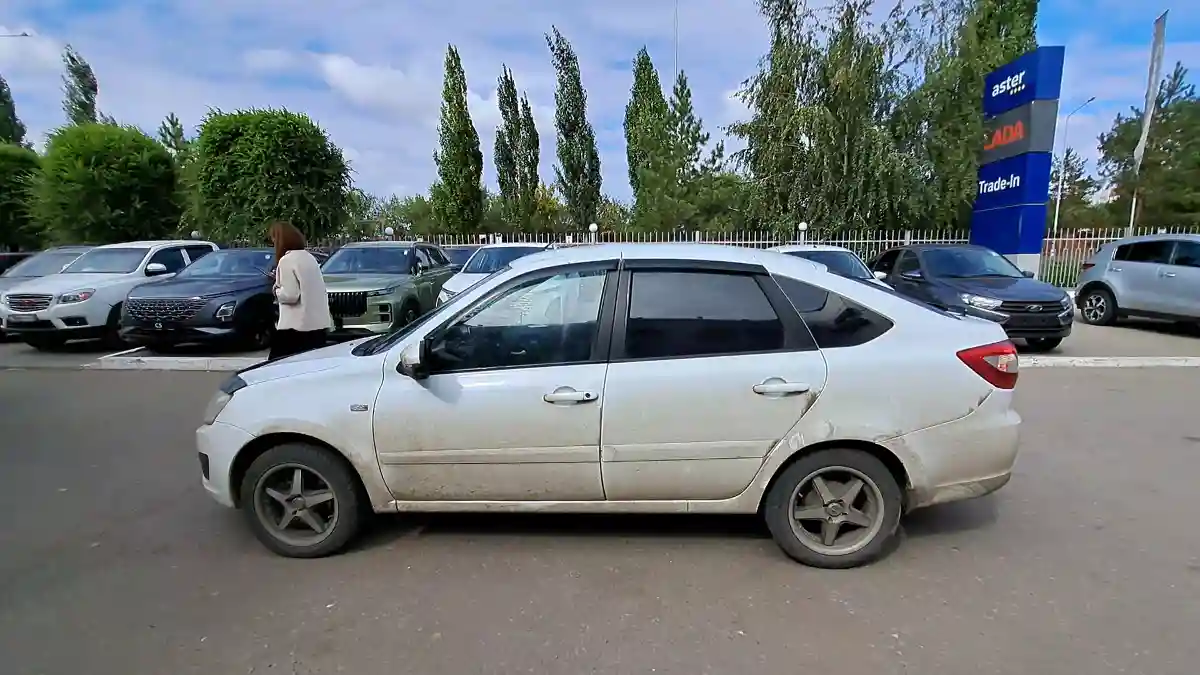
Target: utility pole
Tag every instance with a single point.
(676, 39)
(1062, 164)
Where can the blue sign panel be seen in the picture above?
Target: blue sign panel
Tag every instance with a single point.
(1035, 76)
(1024, 179)
(1013, 230)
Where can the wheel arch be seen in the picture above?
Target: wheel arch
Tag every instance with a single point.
(261, 444)
(1093, 285)
(889, 459)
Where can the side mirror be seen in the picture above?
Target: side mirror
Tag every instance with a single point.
(880, 275)
(414, 360)
(155, 269)
(1028, 274)
(914, 275)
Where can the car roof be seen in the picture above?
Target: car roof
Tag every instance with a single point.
(939, 247)
(384, 244)
(675, 251)
(81, 248)
(1154, 237)
(157, 242)
(516, 244)
(792, 248)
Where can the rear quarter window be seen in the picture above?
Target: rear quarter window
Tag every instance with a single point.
(834, 320)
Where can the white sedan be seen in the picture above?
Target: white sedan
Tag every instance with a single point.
(643, 378)
(484, 261)
(840, 261)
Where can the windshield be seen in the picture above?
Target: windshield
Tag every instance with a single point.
(108, 261)
(49, 262)
(369, 260)
(488, 260)
(231, 263)
(459, 255)
(842, 263)
(967, 263)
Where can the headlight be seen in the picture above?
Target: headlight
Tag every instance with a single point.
(1066, 301)
(222, 398)
(225, 311)
(979, 301)
(80, 295)
(383, 291)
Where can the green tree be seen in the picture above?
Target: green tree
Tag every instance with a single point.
(364, 215)
(458, 196)
(578, 170)
(172, 135)
(529, 159)
(256, 166)
(12, 130)
(79, 88)
(645, 119)
(18, 165)
(1075, 210)
(517, 157)
(1168, 184)
(101, 183)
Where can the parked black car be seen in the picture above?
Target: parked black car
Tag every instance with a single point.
(223, 298)
(978, 281)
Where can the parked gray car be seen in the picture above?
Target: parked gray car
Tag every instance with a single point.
(378, 286)
(1152, 276)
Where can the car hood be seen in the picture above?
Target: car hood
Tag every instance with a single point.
(8, 283)
(199, 288)
(53, 284)
(349, 283)
(1007, 288)
(461, 282)
(301, 364)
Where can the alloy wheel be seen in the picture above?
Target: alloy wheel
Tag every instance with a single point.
(296, 504)
(1094, 308)
(836, 510)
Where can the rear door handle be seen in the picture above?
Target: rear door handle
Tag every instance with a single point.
(569, 395)
(777, 387)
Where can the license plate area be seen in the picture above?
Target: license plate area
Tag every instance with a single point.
(22, 318)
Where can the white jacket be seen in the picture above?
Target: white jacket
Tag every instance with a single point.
(300, 290)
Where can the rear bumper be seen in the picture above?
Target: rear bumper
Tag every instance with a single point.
(969, 457)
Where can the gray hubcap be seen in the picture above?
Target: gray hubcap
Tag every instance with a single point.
(836, 510)
(295, 504)
(1094, 307)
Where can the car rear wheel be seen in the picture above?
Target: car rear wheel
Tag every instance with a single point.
(301, 501)
(409, 313)
(834, 509)
(1041, 345)
(1098, 308)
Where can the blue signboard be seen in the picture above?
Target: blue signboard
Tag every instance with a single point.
(1035, 76)
(1012, 230)
(1024, 179)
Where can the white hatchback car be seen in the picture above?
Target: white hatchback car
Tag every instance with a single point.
(664, 378)
(838, 260)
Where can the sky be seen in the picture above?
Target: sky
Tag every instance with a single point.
(369, 71)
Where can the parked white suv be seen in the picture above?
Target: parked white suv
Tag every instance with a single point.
(640, 378)
(84, 301)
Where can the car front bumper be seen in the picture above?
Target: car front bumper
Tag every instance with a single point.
(76, 321)
(218, 445)
(147, 334)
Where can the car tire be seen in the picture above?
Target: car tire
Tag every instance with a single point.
(869, 522)
(324, 476)
(409, 313)
(112, 329)
(1098, 308)
(1042, 345)
(44, 343)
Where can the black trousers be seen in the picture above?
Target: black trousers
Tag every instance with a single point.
(288, 342)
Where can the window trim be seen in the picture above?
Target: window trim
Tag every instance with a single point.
(796, 336)
(604, 322)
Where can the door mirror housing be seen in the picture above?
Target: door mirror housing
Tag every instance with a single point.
(414, 360)
(156, 269)
(880, 275)
(1028, 274)
(913, 275)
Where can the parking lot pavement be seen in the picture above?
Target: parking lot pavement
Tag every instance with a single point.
(1133, 338)
(15, 354)
(112, 560)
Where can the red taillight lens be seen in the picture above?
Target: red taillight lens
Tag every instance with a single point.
(996, 363)
(1087, 266)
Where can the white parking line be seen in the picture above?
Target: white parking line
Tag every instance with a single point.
(124, 353)
(1110, 361)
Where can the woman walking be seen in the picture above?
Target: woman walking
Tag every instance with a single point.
(300, 289)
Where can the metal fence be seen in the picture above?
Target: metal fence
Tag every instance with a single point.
(1062, 256)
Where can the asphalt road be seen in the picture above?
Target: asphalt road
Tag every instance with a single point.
(113, 561)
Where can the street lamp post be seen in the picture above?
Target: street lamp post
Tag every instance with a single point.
(23, 33)
(1061, 165)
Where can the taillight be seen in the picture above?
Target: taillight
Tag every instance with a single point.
(996, 363)
(1087, 266)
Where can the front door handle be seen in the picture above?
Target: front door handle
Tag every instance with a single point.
(1114, 269)
(778, 387)
(569, 395)
(1168, 274)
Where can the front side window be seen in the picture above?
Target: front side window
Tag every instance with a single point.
(908, 263)
(171, 258)
(488, 260)
(673, 314)
(108, 261)
(545, 320)
(369, 260)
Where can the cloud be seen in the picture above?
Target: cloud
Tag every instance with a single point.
(369, 71)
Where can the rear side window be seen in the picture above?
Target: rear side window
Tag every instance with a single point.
(673, 314)
(1145, 251)
(1187, 254)
(834, 320)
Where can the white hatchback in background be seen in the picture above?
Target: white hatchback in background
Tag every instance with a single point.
(484, 261)
(641, 378)
(839, 261)
(84, 300)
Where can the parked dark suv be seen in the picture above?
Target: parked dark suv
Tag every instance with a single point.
(978, 281)
(224, 297)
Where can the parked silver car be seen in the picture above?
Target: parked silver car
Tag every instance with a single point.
(1153, 276)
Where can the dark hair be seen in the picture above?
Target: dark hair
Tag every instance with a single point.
(285, 237)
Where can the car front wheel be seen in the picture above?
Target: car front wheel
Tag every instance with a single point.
(834, 509)
(1098, 308)
(301, 501)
